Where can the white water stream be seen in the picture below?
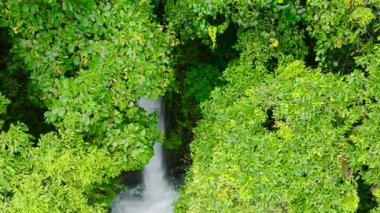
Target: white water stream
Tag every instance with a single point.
(158, 194)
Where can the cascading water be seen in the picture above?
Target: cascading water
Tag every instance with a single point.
(158, 194)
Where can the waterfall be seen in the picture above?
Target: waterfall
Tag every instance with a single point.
(158, 194)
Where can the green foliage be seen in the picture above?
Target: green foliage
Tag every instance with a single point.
(267, 19)
(14, 83)
(86, 39)
(281, 136)
(173, 142)
(86, 62)
(331, 33)
(291, 124)
(3, 104)
(298, 162)
(195, 88)
(365, 137)
(199, 82)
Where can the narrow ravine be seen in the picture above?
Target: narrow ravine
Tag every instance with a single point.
(156, 194)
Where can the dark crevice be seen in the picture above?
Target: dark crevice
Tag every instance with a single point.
(340, 61)
(159, 11)
(310, 43)
(225, 43)
(15, 87)
(367, 201)
(304, 174)
(217, 20)
(14, 84)
(272, 64)
(270, 123)
(5, 46)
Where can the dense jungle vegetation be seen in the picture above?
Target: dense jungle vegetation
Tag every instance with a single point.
(275, 103)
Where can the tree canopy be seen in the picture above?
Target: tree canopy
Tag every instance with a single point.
(283, 97)
(86, 62)
(296, 126)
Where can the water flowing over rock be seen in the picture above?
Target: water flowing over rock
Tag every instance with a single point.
(157, 194)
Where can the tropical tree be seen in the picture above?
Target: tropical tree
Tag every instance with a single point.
(296, 126)
(86, 63)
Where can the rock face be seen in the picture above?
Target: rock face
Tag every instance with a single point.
(157, 194)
